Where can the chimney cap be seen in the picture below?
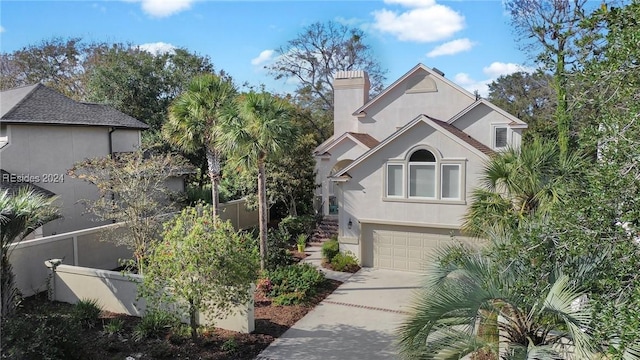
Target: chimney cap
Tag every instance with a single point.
(350, 74)
(438, 71)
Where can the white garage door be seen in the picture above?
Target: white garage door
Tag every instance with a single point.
(408, 248)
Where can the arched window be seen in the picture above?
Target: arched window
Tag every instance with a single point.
(425, 176)
(422, 174)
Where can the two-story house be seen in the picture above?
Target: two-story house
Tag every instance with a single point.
(44, 133)
(399, 170)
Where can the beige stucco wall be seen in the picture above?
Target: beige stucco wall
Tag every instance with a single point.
(397, 107)
(125, 140)
(362, 196)
(83, 247)
(479, 122)
(46, 153)
(118, 293)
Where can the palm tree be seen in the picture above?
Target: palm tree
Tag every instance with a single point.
(20, 215)
(518, 184)
(194, 119)
(258, 126)
(469, 304)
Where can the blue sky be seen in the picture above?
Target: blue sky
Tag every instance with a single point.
(471, 41)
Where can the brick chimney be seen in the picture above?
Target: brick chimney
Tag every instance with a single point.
(350, 92)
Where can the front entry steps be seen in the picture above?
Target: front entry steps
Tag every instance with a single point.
(327, 228)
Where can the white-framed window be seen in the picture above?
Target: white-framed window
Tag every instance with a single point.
(425, 176)
(395, 180)
(450, 181)
(500, 137)
(422, 174)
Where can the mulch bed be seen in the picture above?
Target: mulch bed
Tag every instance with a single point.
(270, 322)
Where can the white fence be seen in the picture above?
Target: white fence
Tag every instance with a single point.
(117, 293)
(85, 248)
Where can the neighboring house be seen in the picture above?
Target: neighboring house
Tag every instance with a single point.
(44, 133)
(400, 168)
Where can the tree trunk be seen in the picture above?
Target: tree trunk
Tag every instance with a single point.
(192, 321)
(213, 162)
(262, 210)
(562, 115)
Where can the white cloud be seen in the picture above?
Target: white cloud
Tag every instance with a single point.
(426, 21)
(1, 29)
(499, 68)
(493, 71)
(451, 47)
(158, 48)
(164, 8)
(265, 56)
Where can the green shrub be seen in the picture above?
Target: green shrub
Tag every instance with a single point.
(344, 261)
(231, 345)
(42, 336)
(114, 326)
(278, 254)
(155, 324)
(293, 226)
(293, 298)
(330, 249)
(303, 279)
(86, 312)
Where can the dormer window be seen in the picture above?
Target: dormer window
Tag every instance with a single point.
(500, 137)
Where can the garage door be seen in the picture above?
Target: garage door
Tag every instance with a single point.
(409, 248)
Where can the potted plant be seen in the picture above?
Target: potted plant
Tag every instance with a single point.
(302, 242)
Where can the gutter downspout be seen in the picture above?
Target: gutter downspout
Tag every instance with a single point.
(111, 131)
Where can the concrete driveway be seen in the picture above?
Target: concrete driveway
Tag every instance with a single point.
(357, 321)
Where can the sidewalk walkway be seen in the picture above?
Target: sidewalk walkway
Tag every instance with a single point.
(357, 321)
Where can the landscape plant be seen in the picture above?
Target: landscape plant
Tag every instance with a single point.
(256, 128)
(86, 312)
(21, 213)
(330, 249)
(132, 190)
(294, 284)
(345, 261)
(462, 300)
(202, 265)
(194, 122)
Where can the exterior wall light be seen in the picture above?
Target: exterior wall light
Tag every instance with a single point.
(350, 224)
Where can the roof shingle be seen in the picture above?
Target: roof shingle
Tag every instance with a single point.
(38, 104)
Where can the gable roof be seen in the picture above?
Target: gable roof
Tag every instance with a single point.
(403, 78)
(13, 187)
(38, 104)
(515, 122)
(364, 140)
(449, 130)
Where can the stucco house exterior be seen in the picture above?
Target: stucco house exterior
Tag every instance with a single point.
(43, 133)
(399, 170)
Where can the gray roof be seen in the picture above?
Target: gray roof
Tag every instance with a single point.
(7, 183)
(38, 104)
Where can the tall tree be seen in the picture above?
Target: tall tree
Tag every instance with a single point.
(259, 125)
(139, 83)
(551, 32)
(194, 122)
(20, 215)
(530, 97)
(56, 62)
(313, 58)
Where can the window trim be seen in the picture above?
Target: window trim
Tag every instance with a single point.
(459, 166)
(386, 180)
(438, 164)
(494, 137)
